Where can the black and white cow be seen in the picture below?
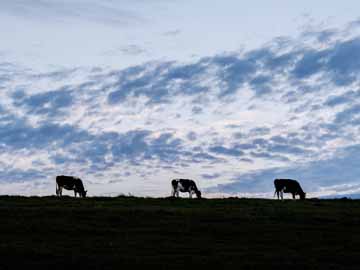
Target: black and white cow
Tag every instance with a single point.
(70, 183)
(184, 185)
(288, 186)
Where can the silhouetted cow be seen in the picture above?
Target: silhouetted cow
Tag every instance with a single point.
(184, 185)
(70, 183)
(288, 186)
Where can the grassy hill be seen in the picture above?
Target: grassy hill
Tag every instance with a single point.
(107, 233)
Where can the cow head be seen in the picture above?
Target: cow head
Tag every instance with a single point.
(83, 193)
(198, 194)
(302, 195)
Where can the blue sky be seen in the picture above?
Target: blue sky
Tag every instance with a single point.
(130, 94)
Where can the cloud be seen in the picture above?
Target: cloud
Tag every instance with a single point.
(226, 151)
(234, 72)
(196, 110)
(18, 134)
(287, 109)
(261, 85)
(172, 33)
(346, 98)
(192, 136)
(11, 175)
(311, 63)
(211, 176)
(50, 103)
(348, 115)
(105, 12)
(133, 50)
(57, 75)
(262, 70)
(159, 82)
(314, 176)
(322, 36)
(338, 62)
(344, 61)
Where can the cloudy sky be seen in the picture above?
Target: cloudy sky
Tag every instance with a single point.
(129, 94)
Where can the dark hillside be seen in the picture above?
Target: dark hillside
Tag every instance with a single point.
(109, 233)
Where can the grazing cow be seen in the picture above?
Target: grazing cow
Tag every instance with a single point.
(288, 186)
(184, 185)
(70, 183)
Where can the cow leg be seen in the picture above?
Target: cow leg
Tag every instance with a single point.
(293, 196)
(60, 191)
(75, 193)
(282, 195)
(177, 194)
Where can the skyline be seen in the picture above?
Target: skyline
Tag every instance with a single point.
(128, 113)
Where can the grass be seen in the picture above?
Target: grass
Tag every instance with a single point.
(107, 233)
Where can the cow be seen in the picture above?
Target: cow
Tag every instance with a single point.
(70, 183)
(184, 185)
(288, 186)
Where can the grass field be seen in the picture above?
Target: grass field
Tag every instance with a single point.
(109, 233)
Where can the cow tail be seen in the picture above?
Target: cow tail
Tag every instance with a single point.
(57, 189)
(172, 189)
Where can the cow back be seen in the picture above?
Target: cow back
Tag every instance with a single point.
(63, 180)
(70, 182)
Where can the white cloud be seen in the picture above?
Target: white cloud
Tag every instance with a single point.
(288, 109)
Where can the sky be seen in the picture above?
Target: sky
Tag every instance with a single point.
(128, 95)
